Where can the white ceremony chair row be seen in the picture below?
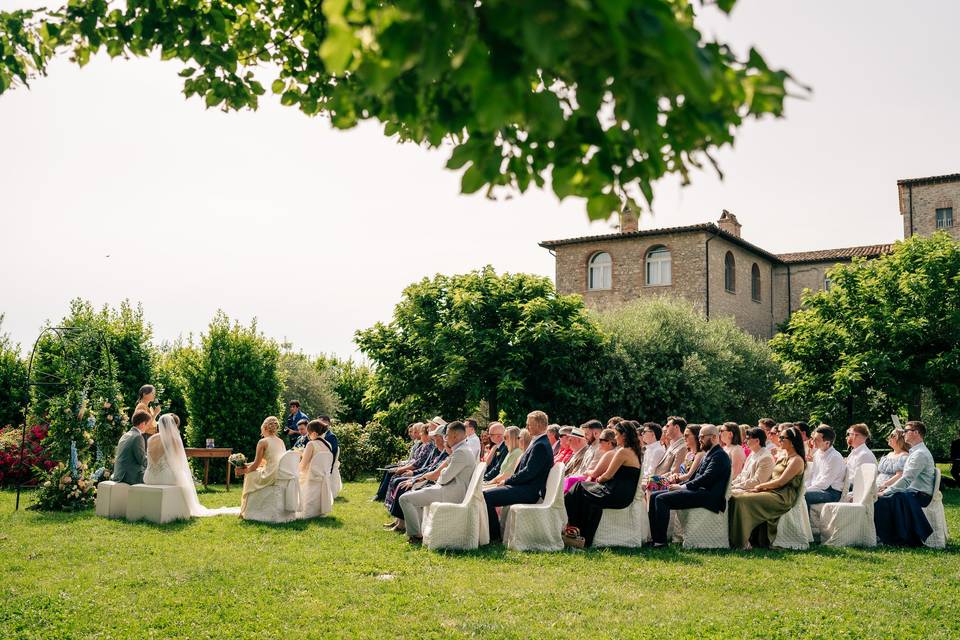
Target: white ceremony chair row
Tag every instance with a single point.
(850, 524)
(459, 526)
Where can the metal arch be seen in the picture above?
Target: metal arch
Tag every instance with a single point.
(63, 334)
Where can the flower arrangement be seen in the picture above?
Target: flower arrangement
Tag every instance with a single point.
(62, 489)
(35, 455)
(237, 459)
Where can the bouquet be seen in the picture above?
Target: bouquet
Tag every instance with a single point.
(237, 460)
(657, 483)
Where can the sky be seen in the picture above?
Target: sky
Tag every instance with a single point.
(113, 186)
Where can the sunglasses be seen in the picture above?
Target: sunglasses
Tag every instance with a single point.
(909, 429)
(610, 440)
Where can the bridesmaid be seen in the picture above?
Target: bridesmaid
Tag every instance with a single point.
(262, 472)
(754, 515)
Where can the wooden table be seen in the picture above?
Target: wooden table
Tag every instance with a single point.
(206, 454)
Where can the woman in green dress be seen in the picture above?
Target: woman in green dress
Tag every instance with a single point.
(754, 515)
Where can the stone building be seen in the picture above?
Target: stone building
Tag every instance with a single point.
(712, 266)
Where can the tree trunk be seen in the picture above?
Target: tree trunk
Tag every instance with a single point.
(493, 407)
(914, 410)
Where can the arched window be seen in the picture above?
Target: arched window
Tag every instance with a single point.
(755, 282)
(729, 273)
(659, 266)
(600, 271)
(827, 283)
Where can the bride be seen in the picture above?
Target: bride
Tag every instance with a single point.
(167, 464)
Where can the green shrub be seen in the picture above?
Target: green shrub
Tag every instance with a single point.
(14, 393)
(232, 384)
(364, 448)
(313, 387)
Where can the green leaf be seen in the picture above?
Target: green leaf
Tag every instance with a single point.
(186, 73)
(337, 48)
(602, 206)
(278, 86)
(472, 180)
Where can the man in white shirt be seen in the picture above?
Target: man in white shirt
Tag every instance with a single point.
(451, 481)
(759, 465)
(898, 511)
(673, 436)
(653, 451)
(827, 484)
(857, 437)
(473, 440)
(591, 432)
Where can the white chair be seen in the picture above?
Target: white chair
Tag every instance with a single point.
(850, 524)
(463, 525)
(336, 482)
(279, 502)
(112, 499)
(816, 511)
(793, 529)
(627, 527)
(157, 503)
(936, 517)
(703, 529)
(536, 527)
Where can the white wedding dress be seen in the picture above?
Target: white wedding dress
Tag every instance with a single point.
(158, 471)
(172, 468)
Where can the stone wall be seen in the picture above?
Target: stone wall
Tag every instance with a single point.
(754, 317)
(927, 198)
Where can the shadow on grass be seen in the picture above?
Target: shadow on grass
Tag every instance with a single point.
(295, 525)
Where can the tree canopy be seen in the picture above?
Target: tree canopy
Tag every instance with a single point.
(600, 98)
(884, 332)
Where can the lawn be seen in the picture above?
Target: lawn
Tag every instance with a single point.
(79, 576)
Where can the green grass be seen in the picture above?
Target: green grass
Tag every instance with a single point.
(79, 576)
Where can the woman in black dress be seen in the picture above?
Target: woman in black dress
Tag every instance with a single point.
(615, 489)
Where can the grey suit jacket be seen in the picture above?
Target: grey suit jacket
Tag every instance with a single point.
(456, 475)
(131, 459)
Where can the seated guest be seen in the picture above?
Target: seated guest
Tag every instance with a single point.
(553, 436)
(706, 489)
(574, 470)
(418, 478)
(528, 484)
(759, 464)
(730, 439)
(898, 512)
(675, 446)
(331, 438)
(891, 465)
(608, 448)
(485, 444)
(857, 437)
(423, 451)
(743, 439)
(262, 472)
(451, 482)
(525, 438)
(773, 437)
(768, 424)
(473, 440)
(415, 434)
(511, 440)
(498, 451)
(827, 484)
(808, 450)
(302, 439)
(653, 451)
(615, 489)
(591, 431)
(565, 452)
(316, 465)
(691, 438)
(754, 514)
(614, 421)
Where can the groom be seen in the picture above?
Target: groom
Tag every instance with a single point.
(131, 458)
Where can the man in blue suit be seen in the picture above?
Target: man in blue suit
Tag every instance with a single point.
(706, 489)
(529, 482)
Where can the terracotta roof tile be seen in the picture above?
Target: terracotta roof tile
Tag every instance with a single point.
(828, 255)
(950, 177)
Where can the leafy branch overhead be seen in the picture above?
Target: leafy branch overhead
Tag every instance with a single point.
(600, 98)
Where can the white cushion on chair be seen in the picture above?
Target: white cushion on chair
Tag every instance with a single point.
(112, 499)
(536, 527)
(157, 503)
(702, 528)
(936, 517)
(280, 502)
(850, 524)
(793, 529)
(463, 525)
(627, 527)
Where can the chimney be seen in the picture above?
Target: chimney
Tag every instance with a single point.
(628, 221)
(728, 222)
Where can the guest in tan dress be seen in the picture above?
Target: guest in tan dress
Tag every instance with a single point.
(262, 472)
(754, 515)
